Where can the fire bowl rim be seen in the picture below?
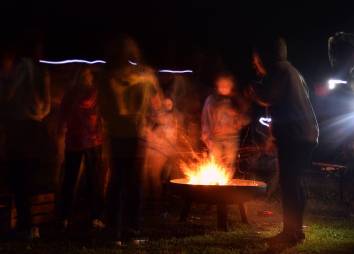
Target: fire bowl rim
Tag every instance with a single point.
(216, 194)
(233, 183)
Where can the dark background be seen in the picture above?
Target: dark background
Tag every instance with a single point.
(169, 32)
(192, 34)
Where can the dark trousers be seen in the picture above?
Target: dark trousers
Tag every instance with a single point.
(23, 144)
(21, 171)
(95, 180)
(294, 159)
(126, 186)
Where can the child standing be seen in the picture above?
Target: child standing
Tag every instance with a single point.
(81, 123)
(222, 121)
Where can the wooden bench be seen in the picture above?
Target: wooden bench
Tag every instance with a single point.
(331, 169)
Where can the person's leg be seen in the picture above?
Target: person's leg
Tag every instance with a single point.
(114, 194)
(95, 178)
(21, 167)
(216, 150)
(135, 165)
(20, 186)
(304, 159)
(147, 178)
(293, 162)
(154, 163)
(71, 174)
(230, 153)
(126, 176)
(289, 197)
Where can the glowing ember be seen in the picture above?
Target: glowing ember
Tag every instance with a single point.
(207, 172)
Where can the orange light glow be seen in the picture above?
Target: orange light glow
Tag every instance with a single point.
(207, 172)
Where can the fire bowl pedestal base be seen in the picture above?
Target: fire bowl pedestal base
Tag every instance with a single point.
(238, 191)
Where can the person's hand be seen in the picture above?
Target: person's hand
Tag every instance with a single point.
(249, 92)
(205, 140)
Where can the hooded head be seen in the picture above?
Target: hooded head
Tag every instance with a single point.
(122, 49)
(271, 51)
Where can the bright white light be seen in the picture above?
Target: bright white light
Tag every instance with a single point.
(132, 63)
(176, 71)
(332, 83)
(265, 121)
(73, 61)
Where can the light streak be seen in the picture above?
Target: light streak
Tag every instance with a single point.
(175, 71)
(69, 61)
(332, 83)
(132, 63)
(265, 121)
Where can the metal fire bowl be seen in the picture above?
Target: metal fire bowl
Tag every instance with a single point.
(237, 191)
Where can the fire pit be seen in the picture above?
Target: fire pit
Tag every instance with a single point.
(209, 181)
(236, 191)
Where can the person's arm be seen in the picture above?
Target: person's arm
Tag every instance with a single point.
(271, 89)
(47, 94)
(20, 75)
(39, 82)
(66, 107)
(206, 122)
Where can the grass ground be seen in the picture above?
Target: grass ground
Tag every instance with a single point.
(329, 229)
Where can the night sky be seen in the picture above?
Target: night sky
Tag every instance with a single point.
(170, 31)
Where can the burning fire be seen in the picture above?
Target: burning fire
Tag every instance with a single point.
(207, 172)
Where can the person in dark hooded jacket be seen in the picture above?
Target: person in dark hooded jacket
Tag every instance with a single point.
(294, 127)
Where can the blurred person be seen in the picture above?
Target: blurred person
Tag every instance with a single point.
(28, 102)
(186, 95)
(126, 96)
(7, 68)
(80, 122)
(222, 121)
(294, 128)
(162, 147)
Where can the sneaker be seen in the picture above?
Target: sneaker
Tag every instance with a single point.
(64, 225)
(98, 224)
(138, 241)
(34, 234)
(119, 244)
(286, 238)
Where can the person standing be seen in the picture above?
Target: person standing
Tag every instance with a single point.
(80, 122)
(28, 102)
(164, 127)
(222, 121)
(126, 96)
(294, 127)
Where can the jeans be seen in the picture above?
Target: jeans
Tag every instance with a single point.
(294, 159)
(127, 161)
(95, 177)
(23, 144)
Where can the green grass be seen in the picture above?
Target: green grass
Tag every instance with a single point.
(324, 234)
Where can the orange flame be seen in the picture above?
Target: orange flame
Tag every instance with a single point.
(207, 172)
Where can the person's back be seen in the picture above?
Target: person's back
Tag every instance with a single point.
(293, 116)
(126, 96)
(28, 97)
(125, 100)
(294, 128)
